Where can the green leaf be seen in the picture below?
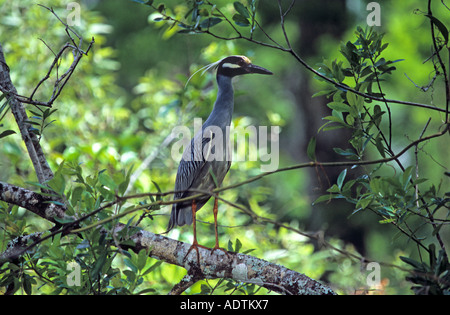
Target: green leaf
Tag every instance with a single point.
(230, 246)
(377, 113)
(380, 62)
(241, 20)
(364, 202)
(324, 70)
(339, 107)
(337, 120)
(64, 221)
(152, 267)
(411, 262)
(355, 101)
(77, 192)
(440, 26)
(45, 187)
(46, 125)
(380, 147)
(107, 181)
(57, 183)
(142, 259)
(131, 276)
(210, 22)
(238, 245)
(157, 188)
(323, 92)
(27, 282)
(406, 177)
(334, 189)
(337, 71)
(387, 210)
(350, 120)
(31, 122)
(241, 9)
(311, 151)
(323, 198)
(126, 181)
(99, 265)
(366, 71)
(420, 181)
(349, 153)
(386, 221)
(146, 2)
(347, 187)
(248, 251)
(161, 8)
(130, 265)
(205, 289)
(7, 133)
(341, 178)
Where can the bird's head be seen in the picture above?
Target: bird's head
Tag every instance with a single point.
(237, 65)
(232, 66)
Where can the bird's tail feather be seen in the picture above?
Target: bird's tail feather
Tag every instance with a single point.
(184, 216)
(179, 217)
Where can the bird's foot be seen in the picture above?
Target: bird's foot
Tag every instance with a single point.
(220, 248)
(195, 246)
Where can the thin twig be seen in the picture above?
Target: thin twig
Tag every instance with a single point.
(423, 88)
(301, 61)
(282, 16)
(447, 96)
(60, 81)
(416, 154)
(388, 143)
(441, 62)
(55, 62)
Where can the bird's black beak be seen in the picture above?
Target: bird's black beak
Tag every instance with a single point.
(257, 69)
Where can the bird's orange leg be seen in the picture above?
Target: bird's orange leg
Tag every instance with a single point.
(215, 210)
(195, 245)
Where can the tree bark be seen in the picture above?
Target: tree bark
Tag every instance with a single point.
(41, 205)
(216, 265)
(236, 266)
(37, 157)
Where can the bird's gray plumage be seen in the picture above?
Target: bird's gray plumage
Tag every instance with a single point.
(194, 170)
(207, 160)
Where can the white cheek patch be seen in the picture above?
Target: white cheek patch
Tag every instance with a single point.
(231, 65)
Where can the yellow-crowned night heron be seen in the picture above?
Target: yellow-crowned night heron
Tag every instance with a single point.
(207, 160)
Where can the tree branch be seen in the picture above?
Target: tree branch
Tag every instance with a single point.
(240, 267)
(43, 171)
(43, 206)
(294, 54)
(219, 265)
(441, 62)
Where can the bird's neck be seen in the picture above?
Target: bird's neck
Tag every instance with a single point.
(223, 107)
